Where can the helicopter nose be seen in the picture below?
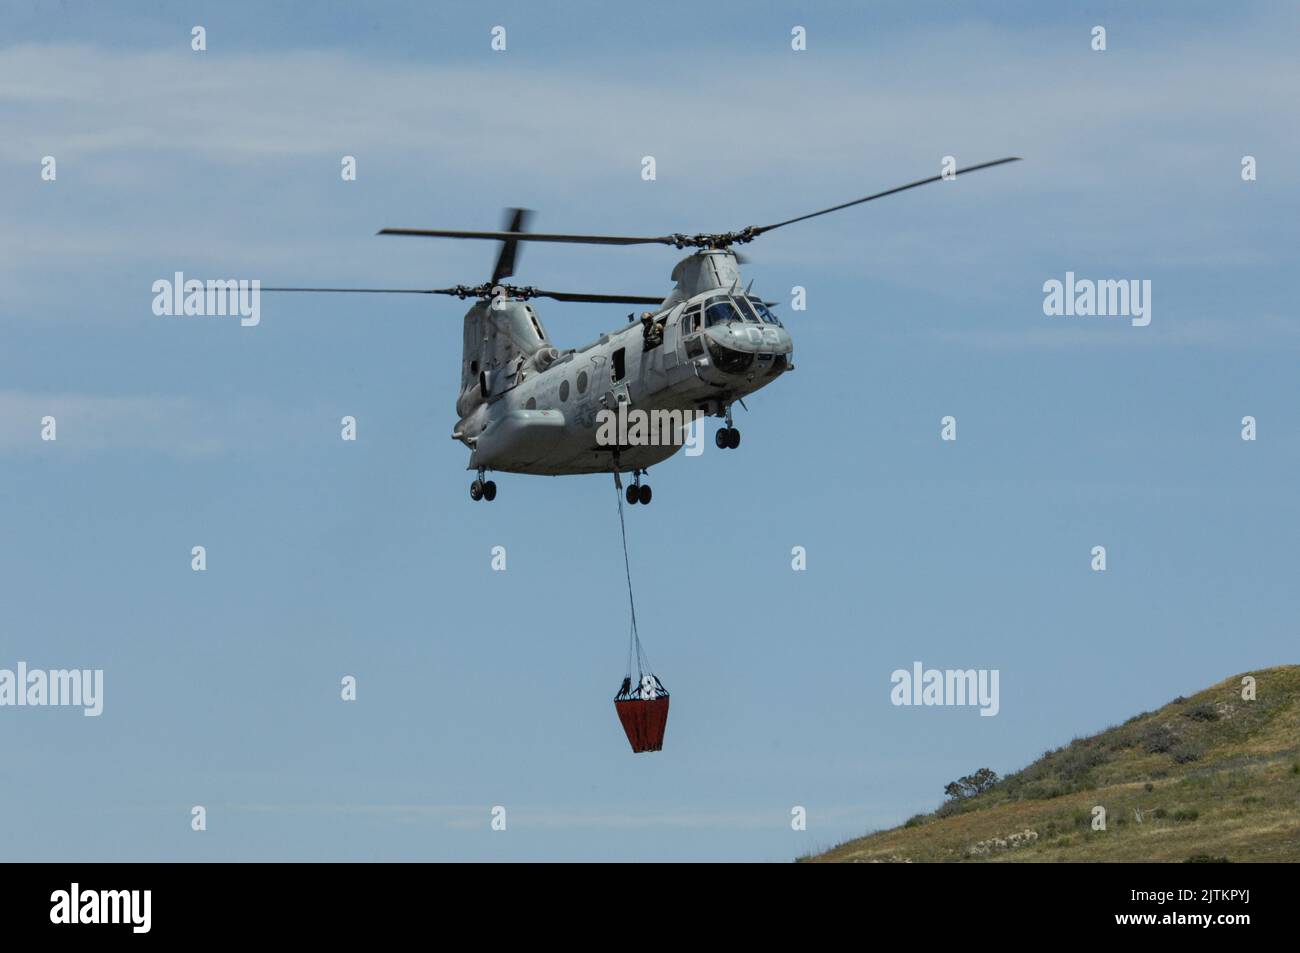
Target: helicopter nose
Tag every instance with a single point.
(749, 349)
(752, 338)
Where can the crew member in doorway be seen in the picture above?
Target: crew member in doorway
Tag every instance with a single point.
(652, 331)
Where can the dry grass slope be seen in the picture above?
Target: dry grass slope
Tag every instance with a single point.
(1206, 777)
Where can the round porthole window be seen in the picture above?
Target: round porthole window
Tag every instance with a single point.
(564, 390)
(582, 382)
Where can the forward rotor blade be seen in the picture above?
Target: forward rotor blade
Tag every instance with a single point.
(389, 291)
(531, 236)
(516, 221)
(597, 298)
(515, 233)
(880, 195)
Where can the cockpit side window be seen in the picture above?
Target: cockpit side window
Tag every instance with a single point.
(691, 321)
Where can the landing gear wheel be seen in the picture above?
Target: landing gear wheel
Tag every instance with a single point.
(489, 491)
(733, 438)
(633, 497)
(476, 490)
(645, 494)
(720, 438)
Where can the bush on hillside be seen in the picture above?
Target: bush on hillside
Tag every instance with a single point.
(1203, 712)
(972, 785)
(1157, 739)
(1185, 753)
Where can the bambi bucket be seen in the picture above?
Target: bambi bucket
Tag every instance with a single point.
(644, 713)
(644, 720)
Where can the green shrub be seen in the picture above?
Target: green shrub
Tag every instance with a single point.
(972, 785)
(1181, 815)
(1158, 739)
(1203, 712)
(1042, 792)
(949, 808)
(1074, 763)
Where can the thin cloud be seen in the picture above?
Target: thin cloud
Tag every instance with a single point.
(464, 817)
(1267, 332)
(88, 423)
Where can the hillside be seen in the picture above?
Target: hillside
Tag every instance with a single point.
(1207, 777)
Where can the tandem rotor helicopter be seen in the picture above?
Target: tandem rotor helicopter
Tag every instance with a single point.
(528, 407)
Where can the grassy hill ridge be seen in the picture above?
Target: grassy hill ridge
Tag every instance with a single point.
(1209, 777)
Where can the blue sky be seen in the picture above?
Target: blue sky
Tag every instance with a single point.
(481, 688)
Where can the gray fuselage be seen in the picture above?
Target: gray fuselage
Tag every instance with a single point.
(527, 408)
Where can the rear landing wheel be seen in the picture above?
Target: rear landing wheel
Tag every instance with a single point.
(489, 491)
(633, 496)
(733, 438)
(476, 490)
(645, 494)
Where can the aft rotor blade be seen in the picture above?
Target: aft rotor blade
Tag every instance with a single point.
(532, 236)
(516, 221)
(597, 298)
(484, 291)
(880, 195)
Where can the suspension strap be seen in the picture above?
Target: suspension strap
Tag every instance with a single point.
(634, 648)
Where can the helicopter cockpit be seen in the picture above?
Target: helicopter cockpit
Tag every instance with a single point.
(723, 309)
(739, 331)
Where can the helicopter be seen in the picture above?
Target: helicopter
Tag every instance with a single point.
(528, 407)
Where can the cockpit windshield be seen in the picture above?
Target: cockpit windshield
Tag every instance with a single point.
(720, 311)
(764, 314)
(747, 309)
